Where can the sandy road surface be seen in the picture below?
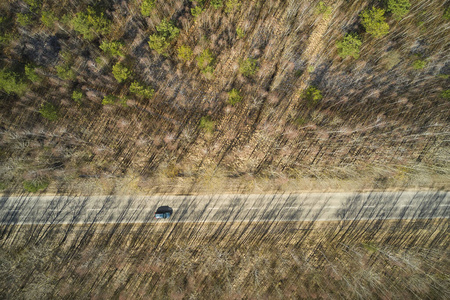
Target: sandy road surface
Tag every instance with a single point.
(221, 208)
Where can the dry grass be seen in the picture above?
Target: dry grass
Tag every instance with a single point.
(348, 260)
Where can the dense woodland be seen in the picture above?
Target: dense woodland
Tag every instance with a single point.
(180, 96)
(179, 93)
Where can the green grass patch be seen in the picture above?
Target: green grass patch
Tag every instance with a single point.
(114, 100)
(34, 186)
(240, 33)
(419, 64)
(371, 247)
(234, 97)
(207, 124)
(446, 94)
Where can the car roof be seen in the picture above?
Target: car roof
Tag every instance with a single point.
(164, 209)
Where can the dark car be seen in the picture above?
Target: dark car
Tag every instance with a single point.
(163, 212)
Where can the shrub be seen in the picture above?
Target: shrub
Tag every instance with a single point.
(299, 72)
(322, 8)
(196, 11)
(300, 121)
(48, 19)
(146, 7)
(141, 90)
(90, 23)
(446, 15)
(32, 3)
(312, 95)
(234, 97)
(65, 72)
(419, 64)
(349, 46)
(421, 26)
(217, 3)
(23, 19)
(208, 70)
(67, 57)
(109, 100)
(34, 186)
(207, 124)
(446, 94)
(158, 43)
(374, 22)
(31, 74)
(185, 53)
(10, 84)
(232, 6)
(122, 100)
(398, 8)
(77, 96)
(6, 38)
(120, 72)
(240, 33)
(205, 61)
(113, 48)
(248, 67)
(113, 100)
(49, 111)
(167, 29)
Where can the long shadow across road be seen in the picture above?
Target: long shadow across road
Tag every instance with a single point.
(28, 209)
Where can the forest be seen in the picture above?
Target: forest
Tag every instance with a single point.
(223, 96)
(189, 97)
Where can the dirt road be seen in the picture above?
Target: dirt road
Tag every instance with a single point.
(221, 208)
